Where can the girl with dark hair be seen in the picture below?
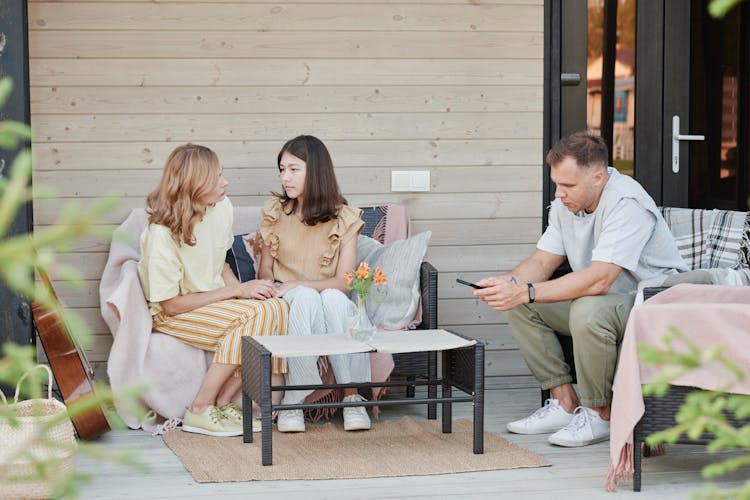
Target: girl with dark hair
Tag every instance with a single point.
(310, 240)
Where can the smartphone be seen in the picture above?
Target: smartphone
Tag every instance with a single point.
(473, 285)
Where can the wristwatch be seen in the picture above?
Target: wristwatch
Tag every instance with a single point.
(531, 293)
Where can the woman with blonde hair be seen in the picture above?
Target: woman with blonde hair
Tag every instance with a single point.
(192, 292)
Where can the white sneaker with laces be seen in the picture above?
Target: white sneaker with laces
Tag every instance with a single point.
(549, 418)
(355, 417)
(587, 427)
(290, 421)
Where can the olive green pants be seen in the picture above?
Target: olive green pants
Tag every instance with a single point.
(596, 323)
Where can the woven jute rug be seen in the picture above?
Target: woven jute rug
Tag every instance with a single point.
(402, 448)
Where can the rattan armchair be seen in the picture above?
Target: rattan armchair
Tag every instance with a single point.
(659, 414)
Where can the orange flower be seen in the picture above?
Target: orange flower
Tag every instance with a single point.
(363, 271)
(363, 277)
(378, 278)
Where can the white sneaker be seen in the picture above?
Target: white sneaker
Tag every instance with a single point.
(549, 418)
(355, 417)
(291, 421)
(587, 427)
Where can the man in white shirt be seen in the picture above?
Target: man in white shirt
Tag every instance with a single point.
(613, 236)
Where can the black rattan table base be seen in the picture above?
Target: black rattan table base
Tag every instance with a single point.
(462, 369)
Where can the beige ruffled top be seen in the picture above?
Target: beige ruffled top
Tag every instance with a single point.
(302, 252)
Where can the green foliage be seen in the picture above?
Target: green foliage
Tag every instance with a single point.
(22, 255)
(719, 8)
(703, 411)
(18, 360)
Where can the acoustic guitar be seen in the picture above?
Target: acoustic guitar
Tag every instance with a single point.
(73, 373)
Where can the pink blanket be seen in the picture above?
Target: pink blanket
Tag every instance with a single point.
(707, 315)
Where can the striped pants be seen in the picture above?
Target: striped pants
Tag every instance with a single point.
(313, 313)
(219, 327)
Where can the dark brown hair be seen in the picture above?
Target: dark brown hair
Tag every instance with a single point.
(322, 195)
(587, 149)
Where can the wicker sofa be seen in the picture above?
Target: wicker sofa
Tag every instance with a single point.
(173, 370)
(706, 239)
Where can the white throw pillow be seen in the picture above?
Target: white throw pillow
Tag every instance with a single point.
(400, 260)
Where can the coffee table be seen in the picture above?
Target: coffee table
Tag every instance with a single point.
(462, 369)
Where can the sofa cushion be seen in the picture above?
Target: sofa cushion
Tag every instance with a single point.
(691, 229)
(706, 239)
(400, 261)
(743, 256)
(726, 234)
(240, 261)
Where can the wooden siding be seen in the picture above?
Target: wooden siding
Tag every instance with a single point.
(449, 86)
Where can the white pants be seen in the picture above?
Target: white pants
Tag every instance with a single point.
(319, 313)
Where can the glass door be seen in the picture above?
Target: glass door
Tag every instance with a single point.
(691, 143)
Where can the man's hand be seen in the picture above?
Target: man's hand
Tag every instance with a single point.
(502, 293)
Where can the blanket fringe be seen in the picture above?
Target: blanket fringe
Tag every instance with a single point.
(624, 468)
(168, 425)
(315, 414)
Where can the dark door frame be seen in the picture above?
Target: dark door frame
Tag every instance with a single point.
(564, 80)
(15, 317)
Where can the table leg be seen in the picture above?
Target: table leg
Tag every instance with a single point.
(479, 398)
(247, 418)
(447, 392)
(432, 389)
(265, 408)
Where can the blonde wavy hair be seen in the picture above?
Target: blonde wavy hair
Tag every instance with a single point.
(190, 173)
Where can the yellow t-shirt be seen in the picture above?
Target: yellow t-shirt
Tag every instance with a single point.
(303, 252)
(168, 269)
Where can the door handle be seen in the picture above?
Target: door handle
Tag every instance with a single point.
(570, 79)
(676, 138)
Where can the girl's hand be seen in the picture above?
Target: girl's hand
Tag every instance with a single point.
(282, 288)
(256, 289)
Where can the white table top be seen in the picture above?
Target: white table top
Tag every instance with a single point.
(383, 341)
(417, 341)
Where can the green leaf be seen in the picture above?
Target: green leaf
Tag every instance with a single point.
(6, 87)
(720, 8)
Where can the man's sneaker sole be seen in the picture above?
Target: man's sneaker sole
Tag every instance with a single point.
(199, 430)
(522, 430)
(577, 444)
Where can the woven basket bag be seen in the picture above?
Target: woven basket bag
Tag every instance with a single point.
(21, 445)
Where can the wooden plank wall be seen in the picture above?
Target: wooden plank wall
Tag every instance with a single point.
(449, 86)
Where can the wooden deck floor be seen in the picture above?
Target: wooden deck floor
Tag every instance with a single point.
(577, 474)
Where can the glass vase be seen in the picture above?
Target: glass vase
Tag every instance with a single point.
(360, 326)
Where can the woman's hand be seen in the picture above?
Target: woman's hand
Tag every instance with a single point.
(255, 289)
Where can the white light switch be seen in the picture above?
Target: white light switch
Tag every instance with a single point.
(410, 180)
